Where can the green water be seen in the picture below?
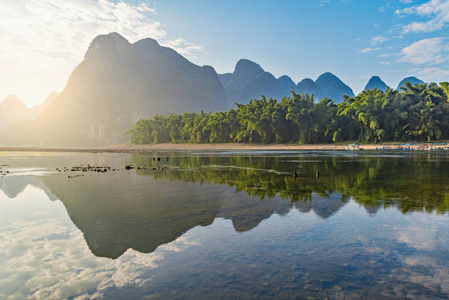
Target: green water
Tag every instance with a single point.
(225, 225)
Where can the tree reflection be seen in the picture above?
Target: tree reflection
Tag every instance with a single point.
(416, 183)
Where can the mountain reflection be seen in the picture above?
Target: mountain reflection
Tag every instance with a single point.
(15, 185)
(142, 210)
(120, 211)
(117, 212)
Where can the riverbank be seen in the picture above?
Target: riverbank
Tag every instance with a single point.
(130, 148)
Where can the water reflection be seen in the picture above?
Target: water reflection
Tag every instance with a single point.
(409, 182)
(14, 185)
(121, 211)
(117, 212)
(236, 226)
(142, 209)
(45, 257)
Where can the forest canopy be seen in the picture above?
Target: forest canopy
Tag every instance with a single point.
(416, 113)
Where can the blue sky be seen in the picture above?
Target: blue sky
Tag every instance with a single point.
(43, 41)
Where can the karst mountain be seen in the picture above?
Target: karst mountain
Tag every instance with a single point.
(118, 83)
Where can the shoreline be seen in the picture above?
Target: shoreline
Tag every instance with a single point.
(130, 148)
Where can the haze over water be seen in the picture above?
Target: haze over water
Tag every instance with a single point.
(225, 224)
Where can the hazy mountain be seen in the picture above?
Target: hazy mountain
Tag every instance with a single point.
(286, 85)
(225, 78)
(376, 83)
(116, 84)
(13, 103)
(38, 109)
(249, 81)
(413, 80)
(333, 88)
(13, 110)
(308, 86)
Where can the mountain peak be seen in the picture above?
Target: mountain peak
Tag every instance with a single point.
(249, 81)
(333, 88)
(376, 82)
(148, 42)
(12, 110)
(306, 81)
(117, 37)
(106, 45)
(13, 102)
(248, 69)
(327, 76)
(52, 96)
(412, 79)
(286, 85)
(308, 86)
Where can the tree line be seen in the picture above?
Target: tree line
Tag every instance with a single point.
(416, 113)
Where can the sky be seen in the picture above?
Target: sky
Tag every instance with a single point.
(42, 41)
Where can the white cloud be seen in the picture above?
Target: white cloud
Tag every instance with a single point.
(184, 47)
(368, 50)
(378, 40)
(428, 51)
(432, 74)
(324, 2)
(62, 30)
(436, 10)
(42, 41)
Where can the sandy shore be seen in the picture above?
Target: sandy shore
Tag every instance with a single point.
(129, 148)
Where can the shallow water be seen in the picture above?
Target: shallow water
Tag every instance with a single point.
(225, 225)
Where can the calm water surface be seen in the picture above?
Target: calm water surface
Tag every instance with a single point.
(225, 225)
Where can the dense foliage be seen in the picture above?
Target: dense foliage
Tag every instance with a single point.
(417, 113)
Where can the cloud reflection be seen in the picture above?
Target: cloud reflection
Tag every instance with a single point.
(435, 276)
(38, 264)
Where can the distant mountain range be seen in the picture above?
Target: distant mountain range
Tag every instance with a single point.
(249, 81)
(118, 83)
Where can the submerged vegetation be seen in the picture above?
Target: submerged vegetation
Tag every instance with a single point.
(417, 113)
